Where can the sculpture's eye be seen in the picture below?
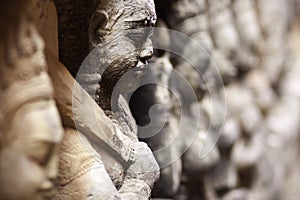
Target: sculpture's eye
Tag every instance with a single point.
(40, 151)
(139, 35)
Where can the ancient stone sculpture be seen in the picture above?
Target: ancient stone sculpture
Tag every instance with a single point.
(81, 62)
(113, 152)
(28, 153)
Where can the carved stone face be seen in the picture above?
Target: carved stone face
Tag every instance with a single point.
(28, 160)
(125, 44)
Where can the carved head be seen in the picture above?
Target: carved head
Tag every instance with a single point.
(30, 126)
(28, 157)
(121, 31)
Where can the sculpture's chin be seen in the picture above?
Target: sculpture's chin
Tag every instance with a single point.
(131, 80)
(46, 194)
(135, 77)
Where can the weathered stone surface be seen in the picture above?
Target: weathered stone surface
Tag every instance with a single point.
(83, 62)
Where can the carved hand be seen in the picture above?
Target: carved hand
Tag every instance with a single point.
(145, 167)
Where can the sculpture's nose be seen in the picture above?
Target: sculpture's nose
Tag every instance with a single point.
(147, 51)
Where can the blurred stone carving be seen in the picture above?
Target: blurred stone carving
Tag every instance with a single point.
(30, 124)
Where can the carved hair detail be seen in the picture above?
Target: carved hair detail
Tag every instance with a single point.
(104, 18)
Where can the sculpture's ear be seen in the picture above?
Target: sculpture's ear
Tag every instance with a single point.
(98, 26)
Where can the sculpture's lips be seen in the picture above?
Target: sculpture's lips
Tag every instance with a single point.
(47, 190)
(141, 65)
(46, 185)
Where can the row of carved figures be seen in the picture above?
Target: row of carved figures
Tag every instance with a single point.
(248, 96)
(214, 115)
